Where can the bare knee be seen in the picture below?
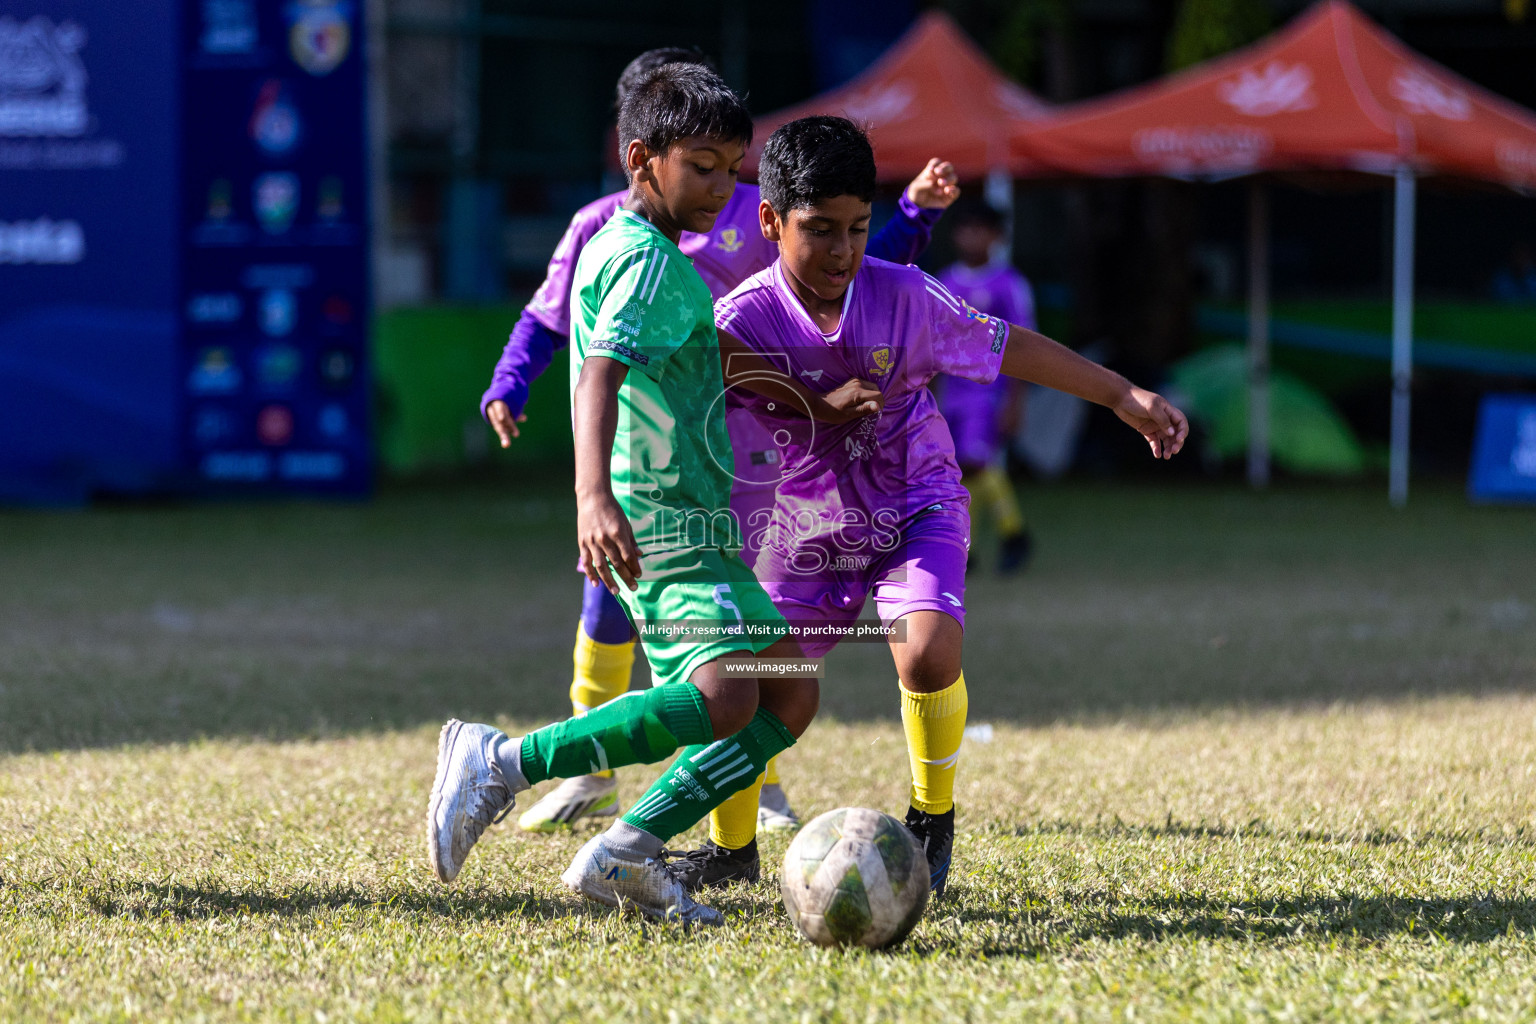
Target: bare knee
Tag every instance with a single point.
(730, 711)
(926, 672)
(729, 702)
(793, 701)
(928, 659)
(732, 701)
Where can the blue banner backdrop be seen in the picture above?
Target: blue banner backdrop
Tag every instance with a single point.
(88, 262)
(183, 248)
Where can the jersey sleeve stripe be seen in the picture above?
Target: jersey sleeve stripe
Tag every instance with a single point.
(947, 299)
(650, 272)
(641, 263)
(656, 280)
(936, 288)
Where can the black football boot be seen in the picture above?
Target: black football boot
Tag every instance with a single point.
(936, 834)
(710, 866)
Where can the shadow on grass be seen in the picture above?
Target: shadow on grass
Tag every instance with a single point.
(1059, 925)
(181, 901)
(1259, 829)
(193, 902)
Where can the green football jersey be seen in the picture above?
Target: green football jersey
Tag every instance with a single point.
(636, 298)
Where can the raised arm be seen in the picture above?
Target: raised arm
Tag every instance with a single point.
(603, 533)
(907, 235)
(1032, 356)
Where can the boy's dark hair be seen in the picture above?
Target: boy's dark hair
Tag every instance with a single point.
(816, 158)
(639, 69)
(978, 212)
(678, 101)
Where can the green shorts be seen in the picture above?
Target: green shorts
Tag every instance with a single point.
(695, 605)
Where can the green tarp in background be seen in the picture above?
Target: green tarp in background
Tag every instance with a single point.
(431, 365)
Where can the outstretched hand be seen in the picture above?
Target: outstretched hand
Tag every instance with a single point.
(850, 401)
(937, 187)
(1156, 419)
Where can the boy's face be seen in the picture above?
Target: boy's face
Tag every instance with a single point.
(974, 241)
(822, 245)
(691, 181)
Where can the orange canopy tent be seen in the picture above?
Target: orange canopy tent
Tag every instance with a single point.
(1331, 91)
(933, 93)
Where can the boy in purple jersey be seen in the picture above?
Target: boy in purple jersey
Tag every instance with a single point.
(878, 505)
(982, 417)
(647, 376)
(734, 249)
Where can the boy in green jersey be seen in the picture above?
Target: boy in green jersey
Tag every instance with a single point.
(653, 488)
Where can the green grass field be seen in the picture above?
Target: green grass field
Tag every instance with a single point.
(1253, 759)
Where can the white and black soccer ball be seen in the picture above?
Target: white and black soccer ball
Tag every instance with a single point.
(855, 877)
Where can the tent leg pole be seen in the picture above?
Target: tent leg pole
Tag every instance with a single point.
(1258, 335)
(1402, 332)
(998, 192)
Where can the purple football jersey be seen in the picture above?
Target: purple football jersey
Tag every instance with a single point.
(854, 487)
(724, 258)
(551, 304)
(974, 410)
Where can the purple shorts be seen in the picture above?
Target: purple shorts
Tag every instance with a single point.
(972, 411)
(925, 571)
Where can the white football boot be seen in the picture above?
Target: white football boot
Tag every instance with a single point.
(773, 811)
(585, 796)
(471, 792)
(647, 885)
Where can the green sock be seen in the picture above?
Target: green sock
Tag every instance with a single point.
(638, 728)
(704, 776)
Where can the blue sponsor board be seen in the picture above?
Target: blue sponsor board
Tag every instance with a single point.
(274, 228)
(89, 326)
(183, 247)
(1504, 450)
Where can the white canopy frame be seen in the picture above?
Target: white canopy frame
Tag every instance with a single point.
(1404, 209)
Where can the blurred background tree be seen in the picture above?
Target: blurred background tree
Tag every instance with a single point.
(1203, 29)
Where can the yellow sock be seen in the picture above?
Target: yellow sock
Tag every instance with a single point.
(601, 673)
(771, 776)
(1003, 501)
(935, 725)
(734, 823)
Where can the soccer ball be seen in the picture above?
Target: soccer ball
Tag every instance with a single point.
(855, 877)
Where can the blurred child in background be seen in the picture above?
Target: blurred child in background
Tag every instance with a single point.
(984, 417)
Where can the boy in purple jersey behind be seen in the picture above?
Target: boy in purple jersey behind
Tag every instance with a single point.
(733, 250)
(982, 417)
(877, 505)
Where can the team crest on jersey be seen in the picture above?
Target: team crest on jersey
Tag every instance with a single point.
(730, 240)
(881, 357)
